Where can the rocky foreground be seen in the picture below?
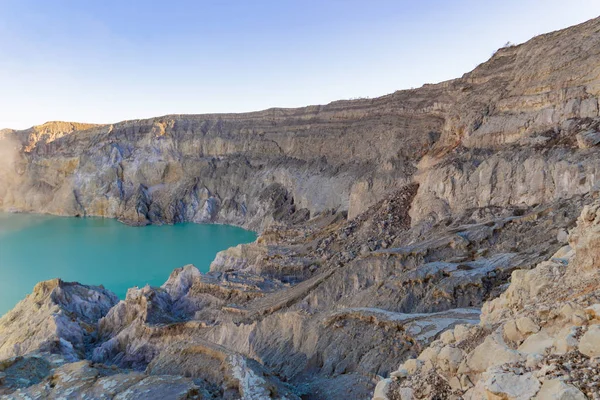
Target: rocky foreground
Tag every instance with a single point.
(539, 340)
(434, 229)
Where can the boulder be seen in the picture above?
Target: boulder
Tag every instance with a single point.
(381, 390)
(509, 386)
(566, 340)
(537, 344)
(526, 325)
(449, 358)
(556, 389)
(406, 394)
(574, 313)
(562, 236)
(493, 351)
(511, 332)
(429, 355)
(413, 365)
(589, 343)
(463, 332)
(447, 337)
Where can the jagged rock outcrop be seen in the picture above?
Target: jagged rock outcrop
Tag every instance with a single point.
(58, 317)
(385, 226)
(48, 132)
(45, 336)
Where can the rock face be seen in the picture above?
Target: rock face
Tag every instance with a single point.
(58, 317)
(517, 116)
(425, 229)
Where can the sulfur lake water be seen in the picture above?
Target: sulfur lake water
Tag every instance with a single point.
(96, 251)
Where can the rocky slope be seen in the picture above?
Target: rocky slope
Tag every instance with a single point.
(385, 225)
(539, 340)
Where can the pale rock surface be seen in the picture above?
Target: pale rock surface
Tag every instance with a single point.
(537, 343)
(381, 390)
(589, 343)
(566, 340)
(500, 385)
(556, 389)
(493, 351)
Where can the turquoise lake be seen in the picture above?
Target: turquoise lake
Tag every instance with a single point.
(98, 251)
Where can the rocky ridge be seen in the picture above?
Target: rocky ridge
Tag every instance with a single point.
(370, 253)
(523, 107)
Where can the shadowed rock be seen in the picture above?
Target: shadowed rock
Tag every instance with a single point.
(58, 317)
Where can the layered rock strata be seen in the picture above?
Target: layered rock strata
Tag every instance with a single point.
(385, 226)
(516, 116)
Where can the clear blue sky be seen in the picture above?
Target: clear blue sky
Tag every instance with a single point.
(110, 60)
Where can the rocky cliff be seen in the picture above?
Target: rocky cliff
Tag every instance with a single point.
(385, 225)
(516, 116)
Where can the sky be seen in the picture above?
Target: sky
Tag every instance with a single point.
(112, 60)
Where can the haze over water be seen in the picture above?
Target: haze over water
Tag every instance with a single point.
(96, 251)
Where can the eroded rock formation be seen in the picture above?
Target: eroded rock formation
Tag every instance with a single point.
(516, 116)
(539, 340)
(389, 230)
